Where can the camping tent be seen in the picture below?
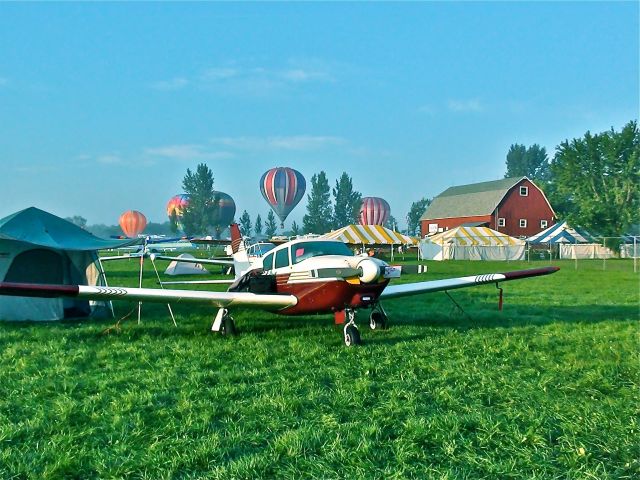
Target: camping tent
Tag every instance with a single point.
(370, 235)
(472, 243)
(182, 268)
(38, 247)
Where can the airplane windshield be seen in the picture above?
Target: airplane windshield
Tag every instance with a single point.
(260, 249)
(305, 250)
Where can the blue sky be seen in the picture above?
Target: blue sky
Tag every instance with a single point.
(103, 107)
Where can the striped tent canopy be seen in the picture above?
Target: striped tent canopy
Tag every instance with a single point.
(370, 235)
(559, 233)
(471, 236)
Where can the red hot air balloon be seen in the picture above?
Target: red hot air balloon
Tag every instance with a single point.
(132, 223)
(374, 211)
(282, 188)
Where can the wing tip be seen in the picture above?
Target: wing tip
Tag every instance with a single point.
(531, 272)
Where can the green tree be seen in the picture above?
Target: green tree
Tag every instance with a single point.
(319, 215)
(199, 215)
(347, 202)
(270, 225)
(391, 223)
(595, 180)
(413, 217)
(295, 229)
(78, 220)
(173, 222)
(529, 162)
(258, 225)
(245, 224)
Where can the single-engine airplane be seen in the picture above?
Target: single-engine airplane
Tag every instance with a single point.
(299, 277)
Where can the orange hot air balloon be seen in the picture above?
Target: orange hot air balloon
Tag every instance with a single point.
(132, 223)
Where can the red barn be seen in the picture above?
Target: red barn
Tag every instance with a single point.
(515, 206)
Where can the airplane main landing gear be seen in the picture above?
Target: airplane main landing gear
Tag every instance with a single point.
(224, 323)
(351, 332)
(378, 318)
(228, 326)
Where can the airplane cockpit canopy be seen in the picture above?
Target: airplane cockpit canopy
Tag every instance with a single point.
(302, 251)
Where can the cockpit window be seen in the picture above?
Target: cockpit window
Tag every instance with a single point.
(260, 249)
(282, 258)
(267, 262)
(305, 250)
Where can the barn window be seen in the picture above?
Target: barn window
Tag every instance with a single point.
(524, 191)
(501, 222)
(433, 227)
(523, 223)
(543, 224)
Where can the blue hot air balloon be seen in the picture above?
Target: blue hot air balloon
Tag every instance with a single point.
(282, 188)
(226, 210)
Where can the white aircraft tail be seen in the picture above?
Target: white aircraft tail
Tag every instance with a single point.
(241, 263)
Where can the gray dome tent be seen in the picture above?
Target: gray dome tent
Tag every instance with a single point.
(38, 247)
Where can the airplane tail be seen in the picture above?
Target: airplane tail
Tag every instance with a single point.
(241, 262)
(237, 243)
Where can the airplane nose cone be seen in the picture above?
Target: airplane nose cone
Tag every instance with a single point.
(370, 270)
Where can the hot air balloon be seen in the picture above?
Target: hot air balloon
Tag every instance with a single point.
(226, 210)
(176, 206)
(374, 211)
(132, 223)
(282, 188)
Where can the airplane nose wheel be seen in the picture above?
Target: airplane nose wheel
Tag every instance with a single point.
(351, 332)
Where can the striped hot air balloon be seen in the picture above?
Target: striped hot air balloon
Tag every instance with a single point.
(282, 188)
(374, 211)
(132, 223)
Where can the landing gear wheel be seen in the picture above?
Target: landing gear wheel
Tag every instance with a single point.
(228, 326)
(377, 321)
(351, 335)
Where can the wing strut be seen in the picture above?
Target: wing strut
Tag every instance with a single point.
(456, 308)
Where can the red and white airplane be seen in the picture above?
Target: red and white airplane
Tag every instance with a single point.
(296, 278)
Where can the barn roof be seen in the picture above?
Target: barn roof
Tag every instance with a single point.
(470, 200)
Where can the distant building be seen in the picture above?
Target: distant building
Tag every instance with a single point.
(515, 206)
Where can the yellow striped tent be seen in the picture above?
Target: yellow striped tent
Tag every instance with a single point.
(370, 235)
(472, 243)
(475, 236)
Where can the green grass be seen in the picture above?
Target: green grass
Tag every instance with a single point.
(548, 388)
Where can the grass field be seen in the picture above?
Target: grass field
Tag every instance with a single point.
(548, 388)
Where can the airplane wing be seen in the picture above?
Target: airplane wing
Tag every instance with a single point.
(417, 288)
(217, 299)
(208, 261)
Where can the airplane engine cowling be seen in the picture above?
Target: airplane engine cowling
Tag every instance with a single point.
(370, 270)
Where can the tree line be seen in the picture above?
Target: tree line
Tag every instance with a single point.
(592, 181)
